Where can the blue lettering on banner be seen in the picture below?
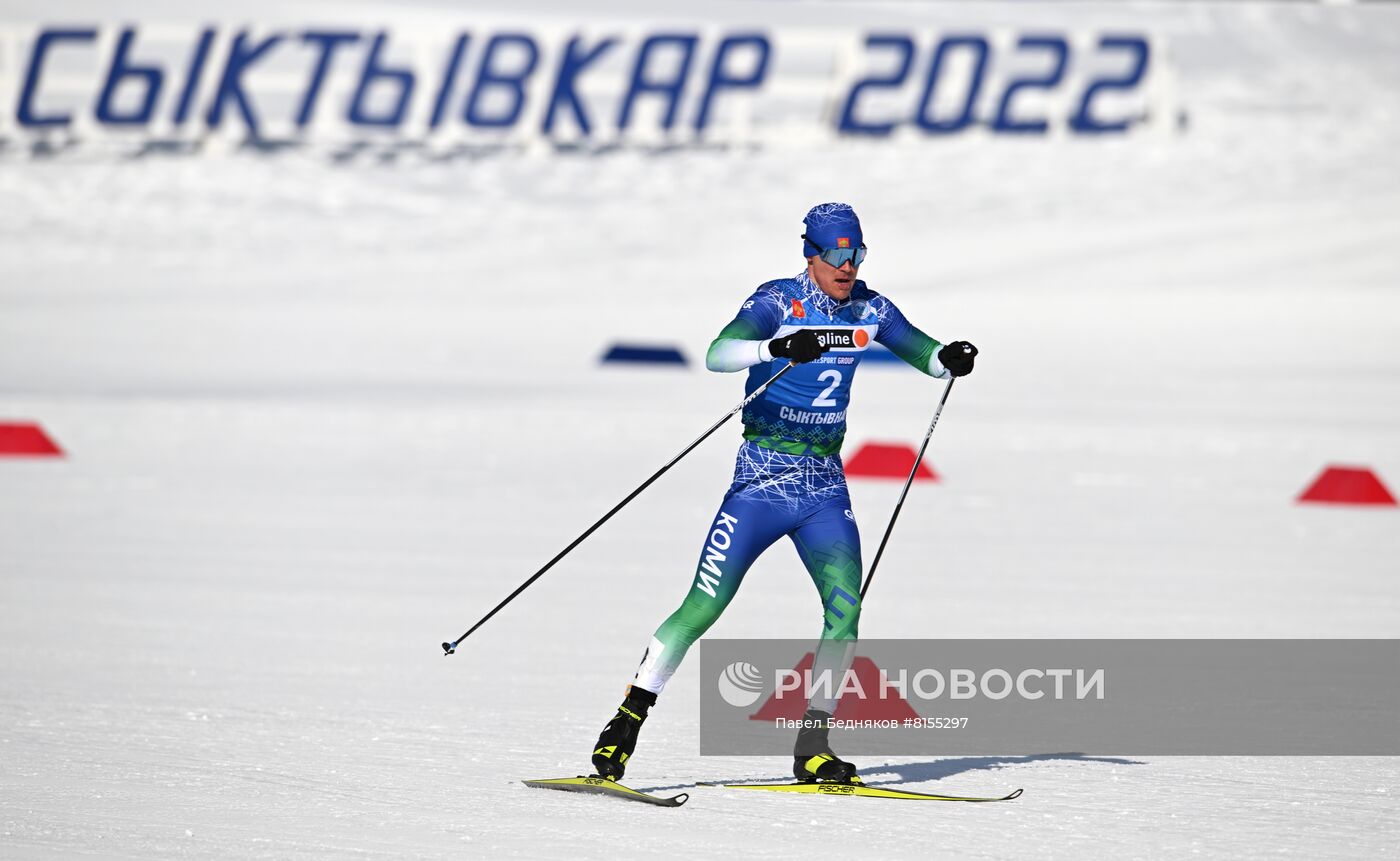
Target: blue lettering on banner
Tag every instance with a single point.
(26, 113)
(240, 57)
(1083, 119)
(671, 89)
(449, 77)
(512, 82)
(905, 48)
(570, 67)
(1059, 49)
(328, 42)
(196, 72)
(974, 86)
(721, 79)
(148, 77)
(401, 79)
(1056, 48)
(962, 83)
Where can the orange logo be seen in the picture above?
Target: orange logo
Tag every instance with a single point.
(843, 242)
(862, 338)
(797, 308)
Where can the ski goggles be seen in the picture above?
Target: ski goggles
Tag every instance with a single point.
(838, 257)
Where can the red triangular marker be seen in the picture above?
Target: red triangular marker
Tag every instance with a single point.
(26, 439)
(1348, 485)
(887, 460)
(792, 705)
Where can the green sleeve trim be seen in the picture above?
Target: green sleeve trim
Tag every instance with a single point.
(737, 330)
(917, 350)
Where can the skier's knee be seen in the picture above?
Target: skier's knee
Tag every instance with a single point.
(842, 611)
(691, 623)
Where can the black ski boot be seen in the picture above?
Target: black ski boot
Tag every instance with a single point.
(619, 737)
(812, 759)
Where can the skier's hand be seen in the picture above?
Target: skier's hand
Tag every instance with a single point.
(801, 346)
(957, 358)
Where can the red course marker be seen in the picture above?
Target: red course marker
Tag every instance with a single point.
(26, 439)
(1348, 485)
(877, 703)
(885, 460)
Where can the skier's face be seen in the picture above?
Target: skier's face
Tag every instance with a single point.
(833, 281)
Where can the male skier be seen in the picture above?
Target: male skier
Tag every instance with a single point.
(789, 479)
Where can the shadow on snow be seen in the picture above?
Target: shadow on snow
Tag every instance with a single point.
(935, 769)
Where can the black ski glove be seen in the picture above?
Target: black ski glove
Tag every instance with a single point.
(957, 357)
(801, 346)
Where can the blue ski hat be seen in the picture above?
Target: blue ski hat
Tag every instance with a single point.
(831, 225)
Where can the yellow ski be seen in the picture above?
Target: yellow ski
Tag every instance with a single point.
(852, 789)
(603, 786)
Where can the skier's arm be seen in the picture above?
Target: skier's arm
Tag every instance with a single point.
(923, 352)
(744, 342)
(738, 346)
(906, 341)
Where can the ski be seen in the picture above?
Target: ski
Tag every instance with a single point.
(853, 789)
(603, 786)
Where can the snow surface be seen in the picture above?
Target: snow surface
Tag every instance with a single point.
(321, 416)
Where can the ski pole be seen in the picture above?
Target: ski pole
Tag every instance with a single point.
(450, 648)
(895, 516)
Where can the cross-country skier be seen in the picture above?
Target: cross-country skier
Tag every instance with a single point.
(789, 479)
